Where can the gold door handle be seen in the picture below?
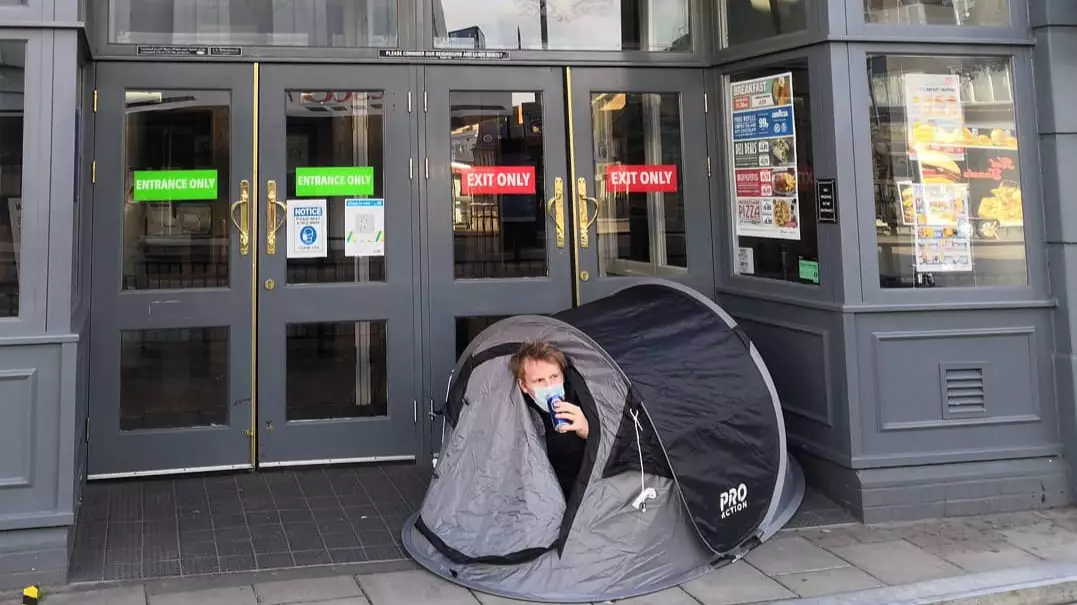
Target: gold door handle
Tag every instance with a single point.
(556, 209)
(243, 224)
(585, 222)
(271, 217)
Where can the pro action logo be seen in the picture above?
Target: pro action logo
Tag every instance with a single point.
(733, 500)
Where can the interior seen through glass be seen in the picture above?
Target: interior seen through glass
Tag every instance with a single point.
(751, 20)
(334, 134)
(176, 225)
(611, 25)
(498, 185)
(336, 370)
(638, 183)
(12, 86)
(938, 12)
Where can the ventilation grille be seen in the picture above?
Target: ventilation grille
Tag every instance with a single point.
(963, 389)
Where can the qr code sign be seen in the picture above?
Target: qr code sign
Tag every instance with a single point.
(364, 224)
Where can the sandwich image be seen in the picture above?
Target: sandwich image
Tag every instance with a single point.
(938, 169)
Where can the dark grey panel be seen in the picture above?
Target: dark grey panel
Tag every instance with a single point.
(1058, 154)
(1052, 12)
(921, 374)
(33, 556)
(34, 436)
(1056, 80)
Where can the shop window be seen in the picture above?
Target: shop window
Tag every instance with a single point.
(12, 86)
(948, 208)
(751, 20)
(772, 176)
(609, 25)
(303, 23)
(990, 13)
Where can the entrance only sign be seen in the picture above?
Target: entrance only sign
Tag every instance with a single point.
(173, 185)
(498, 180)
(658, 178)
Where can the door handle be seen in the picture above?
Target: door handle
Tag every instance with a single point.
(243, 224)
(585, 222)
(271, 217)
(556, 209)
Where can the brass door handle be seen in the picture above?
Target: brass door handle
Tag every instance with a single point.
(556, 209)
(243, 224)
(271, 217)
(585, 222)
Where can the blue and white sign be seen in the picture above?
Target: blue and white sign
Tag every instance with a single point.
(307, 228)
(763, 123)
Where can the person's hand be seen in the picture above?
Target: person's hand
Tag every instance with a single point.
(577, 422)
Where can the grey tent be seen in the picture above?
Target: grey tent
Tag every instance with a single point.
(685, 468)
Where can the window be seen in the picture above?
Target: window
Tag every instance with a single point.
(12, 88)
(610, 25)
(994, 13)
(948, 208)
(309, 23)
(772, 178)
(751, 20)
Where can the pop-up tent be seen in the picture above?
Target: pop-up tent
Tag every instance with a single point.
(685, 467)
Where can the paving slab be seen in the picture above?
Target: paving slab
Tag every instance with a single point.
(824, 537)
(734, 584)
(302, 591)
(897, 562)
(413, 588)
(829, 581)
(241, 595)
(348, 601)
(792, 554)
(124, 595)
(673, 596)
(987, 558)
(1045, 540)
(487, 599)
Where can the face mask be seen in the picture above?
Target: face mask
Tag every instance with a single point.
(544, 394)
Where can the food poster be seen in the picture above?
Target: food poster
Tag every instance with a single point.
(942, 229)
(934, 116)
(994, 181)
(764, 158)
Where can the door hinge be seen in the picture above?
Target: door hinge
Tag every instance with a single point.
(426, 167)
(706, 104)
(415, 411)
(93, 172)
(425, 105)
(95, 100)
(409, 101)
(708, 166)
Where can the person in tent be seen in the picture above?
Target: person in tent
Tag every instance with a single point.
(539, 369)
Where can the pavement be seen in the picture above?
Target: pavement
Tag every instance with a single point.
(853, 563)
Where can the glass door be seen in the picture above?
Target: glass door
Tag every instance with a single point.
(495, 190)
(641, 197)
(337, 273)
(171, 368)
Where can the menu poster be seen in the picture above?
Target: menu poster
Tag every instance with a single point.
(994, 181)
(934, 114)
(764, 157)
(943, 233)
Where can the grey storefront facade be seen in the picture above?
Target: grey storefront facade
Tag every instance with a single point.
(241, 238)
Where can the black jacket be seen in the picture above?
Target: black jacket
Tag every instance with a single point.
(565, 450)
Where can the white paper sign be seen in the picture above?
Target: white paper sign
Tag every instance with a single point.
(364, 227)
(307, 232)
(745, 261)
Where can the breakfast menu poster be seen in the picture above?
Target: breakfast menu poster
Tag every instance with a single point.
(764, 157)
(933, 111)
(943, 231)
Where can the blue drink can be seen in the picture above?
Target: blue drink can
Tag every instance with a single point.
(550, 402)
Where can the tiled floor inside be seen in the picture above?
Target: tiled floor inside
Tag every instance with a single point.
(190, 526)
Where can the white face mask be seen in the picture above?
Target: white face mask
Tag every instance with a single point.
(545, 393)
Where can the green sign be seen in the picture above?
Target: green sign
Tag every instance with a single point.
(354, 181)
(174, 185)
(809, 271)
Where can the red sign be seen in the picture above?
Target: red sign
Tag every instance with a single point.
(497, 180)
(642, 179)
(755, 182)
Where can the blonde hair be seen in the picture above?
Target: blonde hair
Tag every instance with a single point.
(535, 351)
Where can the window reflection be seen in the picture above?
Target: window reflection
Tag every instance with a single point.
(938, 12)
(337, 370)
(498, 176)
(340, 131)
(637, 147)
(12, 66)
(175, 213)
(611, 25)
(751, 20)
(948, 207)
(311, 23)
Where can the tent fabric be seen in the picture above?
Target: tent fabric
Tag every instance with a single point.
(665, 377)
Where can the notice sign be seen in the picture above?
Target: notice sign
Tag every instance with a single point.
(766, 183)
(364, 222)
(642, 179)
(174, 185)
(307, 229)
(344, 181)
(498, 180)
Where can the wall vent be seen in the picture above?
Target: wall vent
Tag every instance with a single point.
(963, 390)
